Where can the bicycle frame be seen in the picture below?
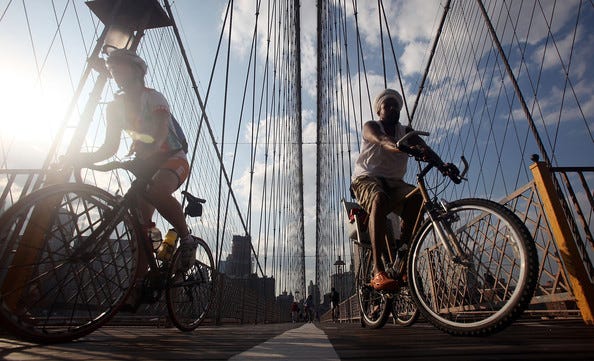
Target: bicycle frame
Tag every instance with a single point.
(125, 204)
(435, 214)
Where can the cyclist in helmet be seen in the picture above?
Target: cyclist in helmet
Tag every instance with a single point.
(144, 114)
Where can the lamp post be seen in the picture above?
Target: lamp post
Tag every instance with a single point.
(338, 281)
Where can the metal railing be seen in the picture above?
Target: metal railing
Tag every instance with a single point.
(16, 183)
(581, 209)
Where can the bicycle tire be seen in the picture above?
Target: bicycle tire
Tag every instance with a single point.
(190, 290)
(375, 306)
(56, 285)
(489, 292)
(404, 310)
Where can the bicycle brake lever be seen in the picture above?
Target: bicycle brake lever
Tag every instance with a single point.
(465, 170)
(402, 140)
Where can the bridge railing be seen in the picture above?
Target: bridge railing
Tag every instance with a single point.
(16, 183)
(570, 226)
(581, 207)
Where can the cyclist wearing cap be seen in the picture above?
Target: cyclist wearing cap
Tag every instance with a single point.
(144, 114)
(377, 180)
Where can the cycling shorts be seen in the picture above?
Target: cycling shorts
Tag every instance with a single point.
(178, 164)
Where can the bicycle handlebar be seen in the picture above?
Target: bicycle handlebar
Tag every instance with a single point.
(403, 146)
(402, 141)
(106, 167)
(102, 167)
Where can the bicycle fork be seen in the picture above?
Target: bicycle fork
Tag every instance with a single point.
(441, 220)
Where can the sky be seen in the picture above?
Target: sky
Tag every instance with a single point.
(413, 24)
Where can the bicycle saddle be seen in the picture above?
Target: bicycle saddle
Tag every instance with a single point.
(194, 207)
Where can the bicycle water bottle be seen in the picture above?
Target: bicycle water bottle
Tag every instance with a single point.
(167, 247)
(155, 235)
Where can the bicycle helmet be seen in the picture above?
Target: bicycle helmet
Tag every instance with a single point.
(387, 94)
(125, 55)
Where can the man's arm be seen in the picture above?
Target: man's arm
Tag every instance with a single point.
(374, 134)
(110, 144)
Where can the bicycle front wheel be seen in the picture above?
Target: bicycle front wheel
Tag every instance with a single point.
(493, 281)
(66, 262)
(375, 306)
(191, 289)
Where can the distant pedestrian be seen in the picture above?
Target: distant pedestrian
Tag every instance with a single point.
(309, 309)
(334, 301)
(294, 311)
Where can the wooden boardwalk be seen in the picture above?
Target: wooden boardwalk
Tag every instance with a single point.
(525, 340)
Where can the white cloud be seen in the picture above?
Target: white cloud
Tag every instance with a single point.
(414, 58)
(408, 21)
(242, 29)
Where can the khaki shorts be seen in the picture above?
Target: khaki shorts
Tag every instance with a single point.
(366, 188)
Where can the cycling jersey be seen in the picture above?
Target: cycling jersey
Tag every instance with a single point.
(152, 103)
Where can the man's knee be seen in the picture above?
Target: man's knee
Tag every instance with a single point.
(380, 205)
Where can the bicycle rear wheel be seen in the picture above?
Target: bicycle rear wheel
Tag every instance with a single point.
(404, 309)
(490, 288)
(191, 289)
(66, 262)
(375, 306)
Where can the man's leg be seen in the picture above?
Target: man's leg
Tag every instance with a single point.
(375, 200)
(159, 193)
(409, 215)
(377, 230)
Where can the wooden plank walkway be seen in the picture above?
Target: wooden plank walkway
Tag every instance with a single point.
(525, 340)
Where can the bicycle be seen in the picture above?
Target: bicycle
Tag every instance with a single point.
(471, 267)
(70, 258)
(375, 307)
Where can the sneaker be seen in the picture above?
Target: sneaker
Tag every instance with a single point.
(381, 282)
(188, 247)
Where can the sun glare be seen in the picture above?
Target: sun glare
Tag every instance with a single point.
(30, 113)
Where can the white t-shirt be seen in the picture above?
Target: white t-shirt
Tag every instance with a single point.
(376, 161)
